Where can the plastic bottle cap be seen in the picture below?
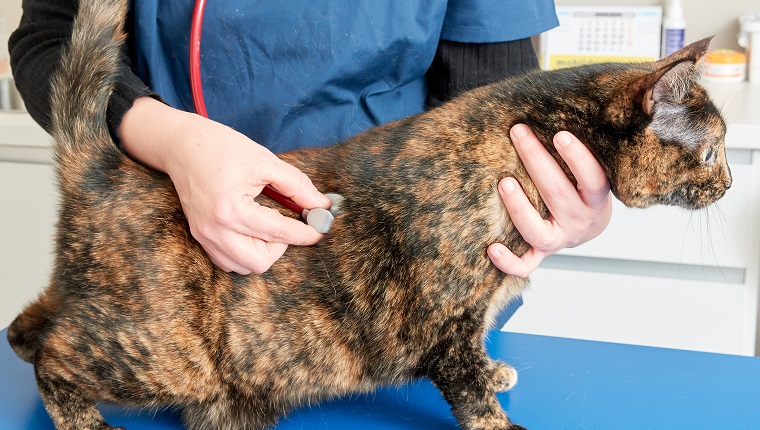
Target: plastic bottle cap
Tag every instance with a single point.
(674, 9)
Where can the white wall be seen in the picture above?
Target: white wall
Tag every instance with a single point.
(10, 14)
(703, 17)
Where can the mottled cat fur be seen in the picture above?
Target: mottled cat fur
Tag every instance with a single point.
(402, 288)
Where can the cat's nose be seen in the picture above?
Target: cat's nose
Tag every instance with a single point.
(726, 182)
(730, 177)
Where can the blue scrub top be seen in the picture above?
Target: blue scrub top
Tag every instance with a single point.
(300, 73)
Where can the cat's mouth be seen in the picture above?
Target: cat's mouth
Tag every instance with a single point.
(694, 196)
(691, 197)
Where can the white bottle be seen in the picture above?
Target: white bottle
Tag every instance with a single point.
(673, 28)
(749, 38)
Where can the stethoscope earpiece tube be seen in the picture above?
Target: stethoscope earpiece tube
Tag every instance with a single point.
(196, 86)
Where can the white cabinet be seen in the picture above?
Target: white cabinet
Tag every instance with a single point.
(641, 310)
(28, 202)
(27, 223)
(665, 276)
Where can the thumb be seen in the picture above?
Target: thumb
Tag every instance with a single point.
(295, 185)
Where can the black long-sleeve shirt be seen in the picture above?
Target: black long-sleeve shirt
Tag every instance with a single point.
(46, 25)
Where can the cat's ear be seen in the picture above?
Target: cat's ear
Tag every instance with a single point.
(673, 75)
(693, 52)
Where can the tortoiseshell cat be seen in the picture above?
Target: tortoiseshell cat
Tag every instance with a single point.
(402, 288)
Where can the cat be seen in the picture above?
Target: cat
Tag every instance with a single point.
(402, 288)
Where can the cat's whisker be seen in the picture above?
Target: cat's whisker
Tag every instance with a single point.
(710, 245)
(327, 273)
(709, 222)
(720, 220)
(683, 242)
(704, 244)
(730, 102)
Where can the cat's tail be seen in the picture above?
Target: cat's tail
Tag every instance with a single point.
(83, 84)
(26, 332)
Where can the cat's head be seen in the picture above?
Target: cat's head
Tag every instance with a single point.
(677, 156)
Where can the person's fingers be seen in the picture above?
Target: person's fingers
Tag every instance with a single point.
(219, 256)
(593, 185)
(509, 263)
(293, 184)
(225, 263)
(538, 232)
(553, 185)
(270, 225)
(258, 255)
(578, 213)
(245, 254)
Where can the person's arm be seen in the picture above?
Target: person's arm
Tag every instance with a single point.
(458, 67)
(35, 49)
(216, 171)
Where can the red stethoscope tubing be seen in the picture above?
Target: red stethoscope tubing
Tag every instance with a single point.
(196, 86)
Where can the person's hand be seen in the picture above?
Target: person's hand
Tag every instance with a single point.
(578, 213)
(217, 173)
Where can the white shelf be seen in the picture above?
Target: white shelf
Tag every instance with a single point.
(18, 129)
(22, 140)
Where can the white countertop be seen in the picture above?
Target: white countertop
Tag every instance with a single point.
(17, 128)
(739, 103)
(22, 140)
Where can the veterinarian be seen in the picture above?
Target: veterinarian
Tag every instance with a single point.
(284, 75)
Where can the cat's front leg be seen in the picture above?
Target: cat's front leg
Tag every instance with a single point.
(503, 375)
(469, 381)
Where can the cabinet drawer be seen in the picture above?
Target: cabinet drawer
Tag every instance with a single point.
(662, 312)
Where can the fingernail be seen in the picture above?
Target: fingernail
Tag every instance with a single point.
(507, 186)
(563, 139)
(519, 131)
(324, 199)
(495, 253)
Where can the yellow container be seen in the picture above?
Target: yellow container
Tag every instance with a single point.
(724, 65)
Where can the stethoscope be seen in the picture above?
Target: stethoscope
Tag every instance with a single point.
(320, 219)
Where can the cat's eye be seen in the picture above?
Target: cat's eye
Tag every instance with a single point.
(708, 155)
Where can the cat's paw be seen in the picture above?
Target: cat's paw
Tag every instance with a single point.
(503, 375)
(505, 425)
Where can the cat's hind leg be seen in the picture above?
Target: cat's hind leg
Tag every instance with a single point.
(67, 405)
(26, 331)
